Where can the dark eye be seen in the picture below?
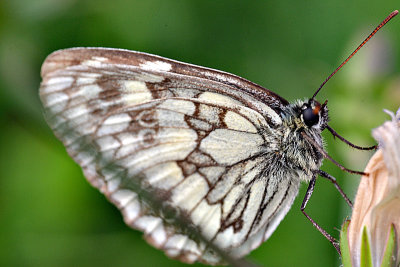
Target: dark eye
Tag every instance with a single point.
(310, 117)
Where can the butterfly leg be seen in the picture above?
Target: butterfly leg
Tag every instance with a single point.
(335, 134)
(307, 197)
(333, 180)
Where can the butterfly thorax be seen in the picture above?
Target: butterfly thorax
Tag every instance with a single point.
(297, 152)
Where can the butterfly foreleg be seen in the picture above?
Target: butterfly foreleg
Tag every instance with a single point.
(333, 180)
(307, 197)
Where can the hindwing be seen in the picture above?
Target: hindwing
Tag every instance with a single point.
(183, 151)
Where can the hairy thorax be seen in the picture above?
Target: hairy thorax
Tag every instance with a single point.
(297, 153)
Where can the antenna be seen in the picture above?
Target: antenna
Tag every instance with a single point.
(388, 18)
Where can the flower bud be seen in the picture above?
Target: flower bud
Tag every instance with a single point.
(373, 234)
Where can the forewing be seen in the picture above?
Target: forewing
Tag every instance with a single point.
(181, 150)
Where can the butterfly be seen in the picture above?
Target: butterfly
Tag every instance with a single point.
(202, 161)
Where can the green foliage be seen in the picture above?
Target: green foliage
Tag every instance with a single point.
(365, 250)
(389, 259)
(344, 245)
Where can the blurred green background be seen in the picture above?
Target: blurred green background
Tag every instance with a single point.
(50, 215)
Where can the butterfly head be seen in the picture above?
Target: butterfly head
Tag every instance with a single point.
(314, 115)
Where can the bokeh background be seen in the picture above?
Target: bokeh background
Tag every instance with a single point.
(50, 215)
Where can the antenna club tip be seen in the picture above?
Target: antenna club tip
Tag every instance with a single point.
(394, 13)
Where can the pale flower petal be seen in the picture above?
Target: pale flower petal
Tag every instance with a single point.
(377, 204)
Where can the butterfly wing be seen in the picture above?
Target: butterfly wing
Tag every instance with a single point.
(183, 151)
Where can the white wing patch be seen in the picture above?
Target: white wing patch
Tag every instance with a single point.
(156, 66)
(190, 192)
(218, 98)
(57, 102)
(136, 92)
(57, 83)
(165, 175)
(236, 122)
(182, 157)
(208, 218)
(85, 80)
(181, 106)
(228, 147)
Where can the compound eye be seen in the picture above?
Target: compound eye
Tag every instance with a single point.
(311, 116)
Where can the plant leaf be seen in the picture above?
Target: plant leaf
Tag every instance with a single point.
(389, 258)
(344, 245)
(365, 255)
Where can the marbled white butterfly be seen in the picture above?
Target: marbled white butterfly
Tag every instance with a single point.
(200, 160)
